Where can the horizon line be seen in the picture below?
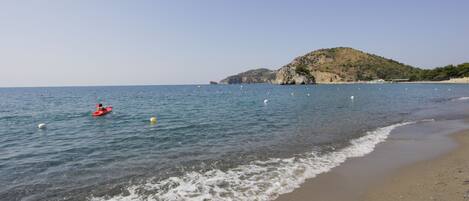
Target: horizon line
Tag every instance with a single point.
(105, 85)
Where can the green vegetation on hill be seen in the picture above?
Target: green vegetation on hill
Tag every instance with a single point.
(441, 73)
(303, 70)
(261, 75)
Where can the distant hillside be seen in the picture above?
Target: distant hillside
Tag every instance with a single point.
(347, 64)
(340, 64)
(261, 75)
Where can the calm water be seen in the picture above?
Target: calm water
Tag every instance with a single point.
(215, 142)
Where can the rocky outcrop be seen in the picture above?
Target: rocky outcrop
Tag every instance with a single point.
(289, 75)
(324, 77)
(261, 75)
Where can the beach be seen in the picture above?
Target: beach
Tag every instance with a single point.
(444, 178)
(420, 162)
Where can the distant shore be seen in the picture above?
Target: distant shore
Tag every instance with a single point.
(464, 80)
(415, 164)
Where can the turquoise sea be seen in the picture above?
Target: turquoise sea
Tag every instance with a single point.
(211, 142)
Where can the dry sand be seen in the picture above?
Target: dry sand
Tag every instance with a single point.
(426, 161)
(445, 178)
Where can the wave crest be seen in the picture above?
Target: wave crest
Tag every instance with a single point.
(461, 98)
(259, 180)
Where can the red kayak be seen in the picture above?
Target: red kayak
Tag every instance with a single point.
(102, 112)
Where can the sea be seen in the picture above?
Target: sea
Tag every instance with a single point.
(210, 142)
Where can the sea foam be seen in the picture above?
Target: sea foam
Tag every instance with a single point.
(462, 98)
(259, 180)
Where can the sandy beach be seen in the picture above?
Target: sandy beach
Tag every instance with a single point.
(427, 161)
(444, 178)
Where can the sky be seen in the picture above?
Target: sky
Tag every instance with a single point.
(74, 43)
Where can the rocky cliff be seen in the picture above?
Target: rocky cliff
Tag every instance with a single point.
(292, 75)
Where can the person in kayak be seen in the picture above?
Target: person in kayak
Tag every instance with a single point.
(101, 110)
(100, 107)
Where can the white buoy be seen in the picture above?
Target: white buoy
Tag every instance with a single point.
(292, 93)
(198, 86)
(153, 120)
(41, 126)
(352, 97)
(266, 101)
(308, 94)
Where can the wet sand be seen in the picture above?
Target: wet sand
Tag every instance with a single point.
(414, 161)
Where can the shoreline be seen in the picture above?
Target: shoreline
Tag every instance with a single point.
(443, 178)
(462, 81)
(382, 174)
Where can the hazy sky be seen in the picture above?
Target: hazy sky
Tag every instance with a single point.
(56, 43)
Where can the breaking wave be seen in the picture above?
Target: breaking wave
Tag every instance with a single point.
(462, 98)
(259, 180)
